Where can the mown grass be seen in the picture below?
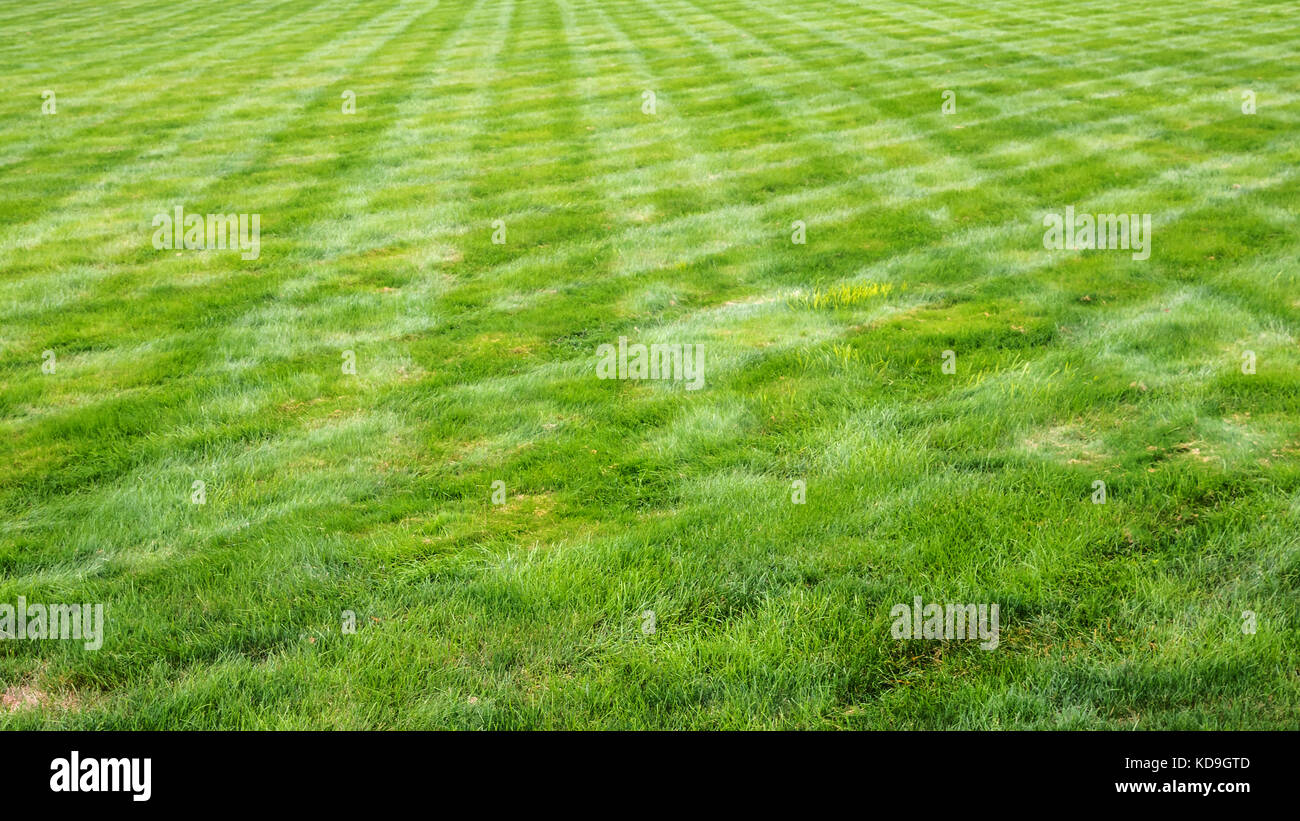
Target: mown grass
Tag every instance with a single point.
(329, 492)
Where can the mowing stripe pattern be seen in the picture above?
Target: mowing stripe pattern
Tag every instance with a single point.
(370, 477)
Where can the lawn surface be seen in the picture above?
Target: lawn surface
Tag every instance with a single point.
(476, 362)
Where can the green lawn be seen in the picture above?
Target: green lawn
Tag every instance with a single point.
(823, 363)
